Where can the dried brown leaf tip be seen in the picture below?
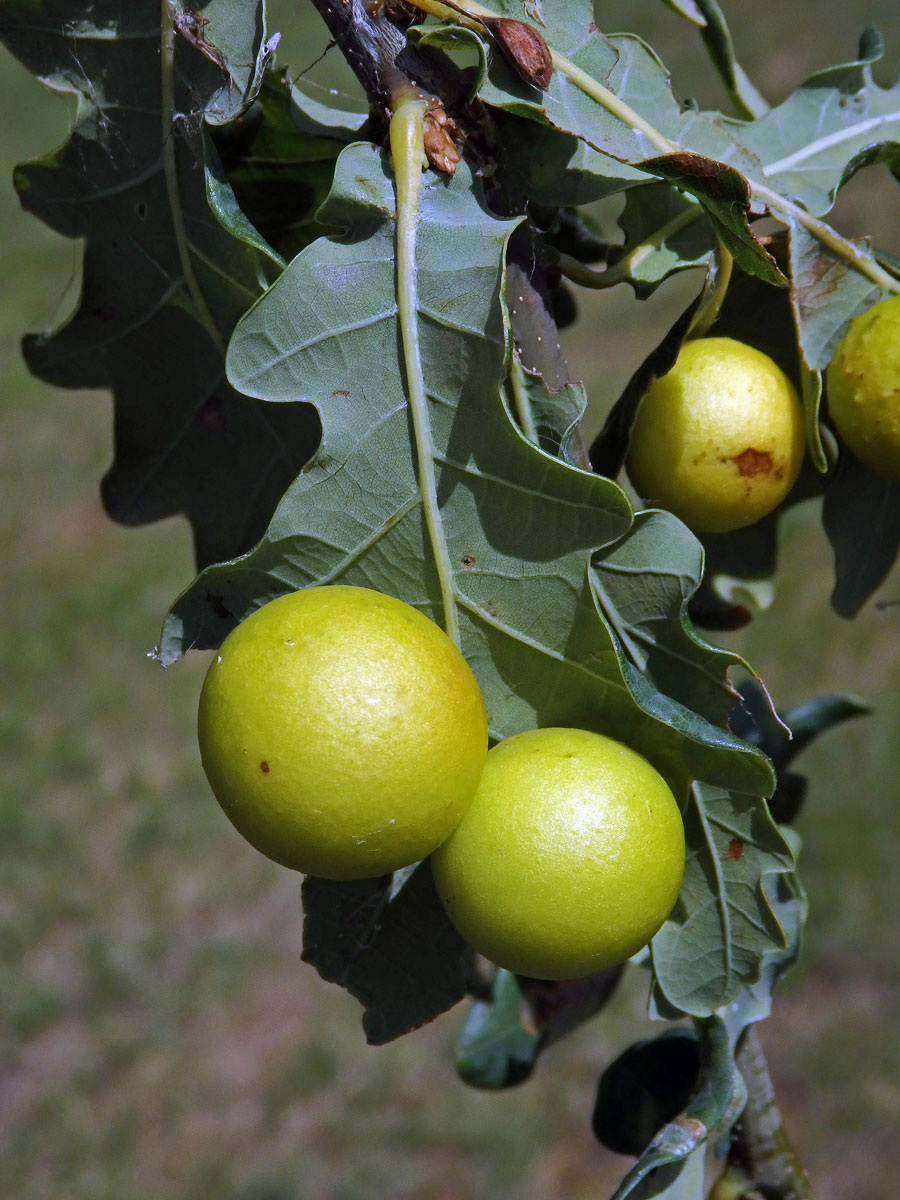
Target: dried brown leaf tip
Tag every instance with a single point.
(525, 50)
(440, 146)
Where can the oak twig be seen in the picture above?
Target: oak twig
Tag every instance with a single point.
(388, 65)
(770, 1160)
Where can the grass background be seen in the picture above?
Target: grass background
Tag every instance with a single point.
(160, 1036)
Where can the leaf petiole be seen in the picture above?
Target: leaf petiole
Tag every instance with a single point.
(407, 143)
(623, 269)
(718, 278)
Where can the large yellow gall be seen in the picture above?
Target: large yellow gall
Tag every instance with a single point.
(863, 384)
(719, 440)
(569, 858)
(342, 732)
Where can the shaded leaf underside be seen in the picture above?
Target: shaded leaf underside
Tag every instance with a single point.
(709, 948)
(185, 440)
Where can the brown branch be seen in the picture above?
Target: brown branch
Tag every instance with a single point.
(768, 1156)
(372, 37)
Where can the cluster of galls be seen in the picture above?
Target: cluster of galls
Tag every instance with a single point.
(719, 440)
(344, 735)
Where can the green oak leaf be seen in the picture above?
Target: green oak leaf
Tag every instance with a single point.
(644, 583)
(724, 927)
(164, 282)
(836, 122)
(495, 1049)
(672, 1165)
(664, 234)
(392, 948)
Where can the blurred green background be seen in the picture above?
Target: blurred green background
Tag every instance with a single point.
(160, 1036)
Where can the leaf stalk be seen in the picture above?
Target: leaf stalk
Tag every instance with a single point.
(407, 141)
(718, 278)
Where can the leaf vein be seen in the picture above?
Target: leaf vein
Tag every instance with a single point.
(829, 140)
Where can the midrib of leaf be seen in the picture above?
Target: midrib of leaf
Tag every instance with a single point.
(407, 155)
(831, 139)
(611, 616)
(633, 640)
(143, 319)
(628, 264)
(170, 169)
(624, 269)
(720, 891)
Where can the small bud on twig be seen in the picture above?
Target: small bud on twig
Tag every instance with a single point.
(440, 148)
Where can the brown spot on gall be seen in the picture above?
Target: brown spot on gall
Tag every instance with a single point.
(264, 767)
(753, 463)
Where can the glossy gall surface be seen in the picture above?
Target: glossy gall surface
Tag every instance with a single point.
(569, 858)
(342, 732)
(719, 440)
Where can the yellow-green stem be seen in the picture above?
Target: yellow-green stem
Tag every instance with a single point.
(623, 268)
(711, 305)
(407, 157)
(611, 102)
(450, 12)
